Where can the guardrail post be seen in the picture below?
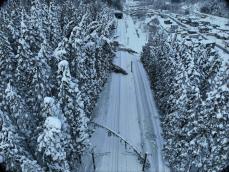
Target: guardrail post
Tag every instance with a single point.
(93, 160)
(144, 162)
(131, 66)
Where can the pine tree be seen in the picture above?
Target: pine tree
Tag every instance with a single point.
(12, 147)
(34, 37)
(40, 87)
(54, 25)
(45, 53)
(51, 108)
(68, 17)
(190, 84)
(44, 26)
(28, 165)
(7, 63)
(35, 26)
(24, 58)
(13, 26)
(70, 101)
(215, 115)
(91, 82)
(52, 144)
(14, 107)
(77, 43)
(62, 51)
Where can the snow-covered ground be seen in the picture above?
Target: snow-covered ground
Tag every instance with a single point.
(210, 36)
(127, 107)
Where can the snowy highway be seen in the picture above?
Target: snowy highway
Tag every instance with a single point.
(127, 107)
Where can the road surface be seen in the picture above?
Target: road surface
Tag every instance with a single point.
(127, 107)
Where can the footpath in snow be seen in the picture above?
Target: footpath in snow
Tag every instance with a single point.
(127, 107)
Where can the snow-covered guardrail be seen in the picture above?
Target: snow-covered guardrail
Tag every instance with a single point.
(142, 157)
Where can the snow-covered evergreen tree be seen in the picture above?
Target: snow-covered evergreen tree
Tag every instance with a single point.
(28, 165)
(216, 126)
(39, 86)
(7, 63)
(24, 58)
(54, 24)
(35, 25)
(34, 37)
(190, 85)
(52, 143)
(14, 107)
(73, 108)
(13, 148)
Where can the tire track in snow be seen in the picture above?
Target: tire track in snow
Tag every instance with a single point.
(144, 123)
(152, 120)
(128, 104)
(148, 129)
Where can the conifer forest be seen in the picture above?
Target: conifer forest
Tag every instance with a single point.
(114, 86)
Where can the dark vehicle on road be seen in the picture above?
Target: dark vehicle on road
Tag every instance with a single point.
(118, 14)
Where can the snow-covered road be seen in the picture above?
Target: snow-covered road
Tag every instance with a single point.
(127, 107)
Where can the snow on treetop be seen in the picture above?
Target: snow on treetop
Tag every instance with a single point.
(90, 44)
(49, 100)
(23, 26)
(59, 52)
(22, 42)
(1, 159)
(63, 64)
(76, 28)
(8, 88)
(53, 122)
(224, 87)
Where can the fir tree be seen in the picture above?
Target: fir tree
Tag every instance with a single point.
(12, 147)
(13, 106)
(70, 101)
(24, 58)
(52, 144)
(34, 37)
(7, 63)
(54, 25)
